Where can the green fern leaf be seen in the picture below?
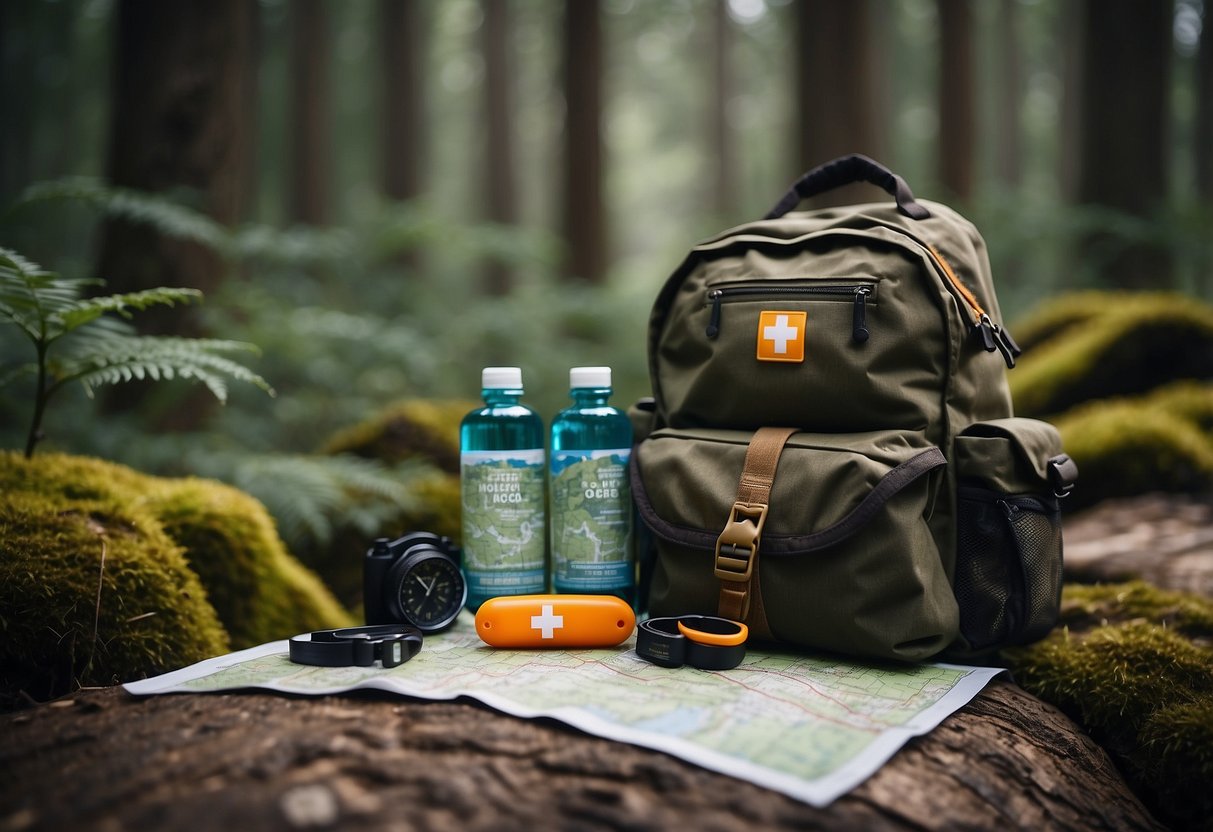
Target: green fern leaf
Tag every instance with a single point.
(84, 311)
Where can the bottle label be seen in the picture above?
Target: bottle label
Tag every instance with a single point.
(591, 520)
(503, 522)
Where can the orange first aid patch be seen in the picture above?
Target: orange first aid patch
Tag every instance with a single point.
(781, 336)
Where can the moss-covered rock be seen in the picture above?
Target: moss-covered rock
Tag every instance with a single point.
(92, 590)
(417, 429)
(1134, 666)
(186, 563)
(260, 592)
(1128, 344)
(1133, 446)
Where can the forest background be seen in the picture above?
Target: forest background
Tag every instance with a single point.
(387, 196)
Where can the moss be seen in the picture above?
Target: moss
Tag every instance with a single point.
(1134, 344)
(1059, 314)
(1126, 447)
(416, 429)
(260, 592)
(1134, 667)
(1085, 607)
(56, 549)
(201, 557)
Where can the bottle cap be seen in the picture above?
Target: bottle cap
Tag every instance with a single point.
(590, 377)
(501, 378)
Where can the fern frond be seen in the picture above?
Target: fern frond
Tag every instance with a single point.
(89, 309)
(310, 496)
(119, 358)
(32, 297)
(164, 215)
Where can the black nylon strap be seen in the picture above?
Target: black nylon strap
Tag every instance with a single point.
(846, 170)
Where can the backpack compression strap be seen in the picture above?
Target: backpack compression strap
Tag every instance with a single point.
(737, 546)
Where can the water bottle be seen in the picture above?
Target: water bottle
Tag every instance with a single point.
(591, 500)
(502, 478)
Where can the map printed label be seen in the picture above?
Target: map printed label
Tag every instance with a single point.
(591, 520)
(503, 522)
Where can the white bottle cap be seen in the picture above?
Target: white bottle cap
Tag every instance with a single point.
(590, 377)
(501, 378)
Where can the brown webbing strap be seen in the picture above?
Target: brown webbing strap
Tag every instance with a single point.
(737, 547)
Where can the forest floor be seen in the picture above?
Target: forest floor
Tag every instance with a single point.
(102, 759)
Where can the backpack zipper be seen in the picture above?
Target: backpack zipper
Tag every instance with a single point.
(858, 292)
(993, 337)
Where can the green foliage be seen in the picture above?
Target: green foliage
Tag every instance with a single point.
(47, 309)
(312, 497)
(1133, 665)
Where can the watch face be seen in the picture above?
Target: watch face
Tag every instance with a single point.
(432, 591)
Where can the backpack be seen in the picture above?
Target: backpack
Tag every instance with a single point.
(830, 454)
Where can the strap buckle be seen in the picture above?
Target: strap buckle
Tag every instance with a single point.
(1063, 474)
(737, 545)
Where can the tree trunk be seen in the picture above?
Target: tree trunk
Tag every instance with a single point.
(181, 119)
(584, 210)
(1124, 152)
(402, 54)
(724, 197)
(957, 119)
(498, 156)
(1009, 130)
(311, 114)
(836, 87)
(105, 760)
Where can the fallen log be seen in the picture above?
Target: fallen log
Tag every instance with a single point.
(102, 759)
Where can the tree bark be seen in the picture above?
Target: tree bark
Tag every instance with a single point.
(1124, 150)
(1010, 96)
(311, 114)
(104, 760)
(181, 119)
(403, 103)
(836, 87)
(724, 197)
(498, 156)
(584, 209)
(957, 119)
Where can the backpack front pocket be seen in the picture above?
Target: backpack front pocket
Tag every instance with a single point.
(846, 561)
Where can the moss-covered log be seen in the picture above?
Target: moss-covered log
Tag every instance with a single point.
(1128, 345)
(1133, 665)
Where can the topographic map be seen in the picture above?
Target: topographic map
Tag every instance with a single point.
(809, 727)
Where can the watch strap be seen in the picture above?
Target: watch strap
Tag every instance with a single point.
(389, 644)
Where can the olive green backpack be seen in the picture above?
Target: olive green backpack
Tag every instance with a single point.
(830, 455)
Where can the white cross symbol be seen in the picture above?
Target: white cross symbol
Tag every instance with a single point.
(547, 623)
(781, 333)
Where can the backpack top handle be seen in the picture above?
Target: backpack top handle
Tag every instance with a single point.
(844, 171)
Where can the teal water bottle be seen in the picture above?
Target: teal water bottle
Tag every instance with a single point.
(591, 500)
(502, 475)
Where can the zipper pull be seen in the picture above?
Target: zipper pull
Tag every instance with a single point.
(859, 315)
(1009, 342)
(714, 319)
(1006, 345)
(985, 329)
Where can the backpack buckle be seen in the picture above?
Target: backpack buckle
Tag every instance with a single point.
(737, 546)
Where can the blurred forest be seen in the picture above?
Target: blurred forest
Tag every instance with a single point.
(386, 195)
